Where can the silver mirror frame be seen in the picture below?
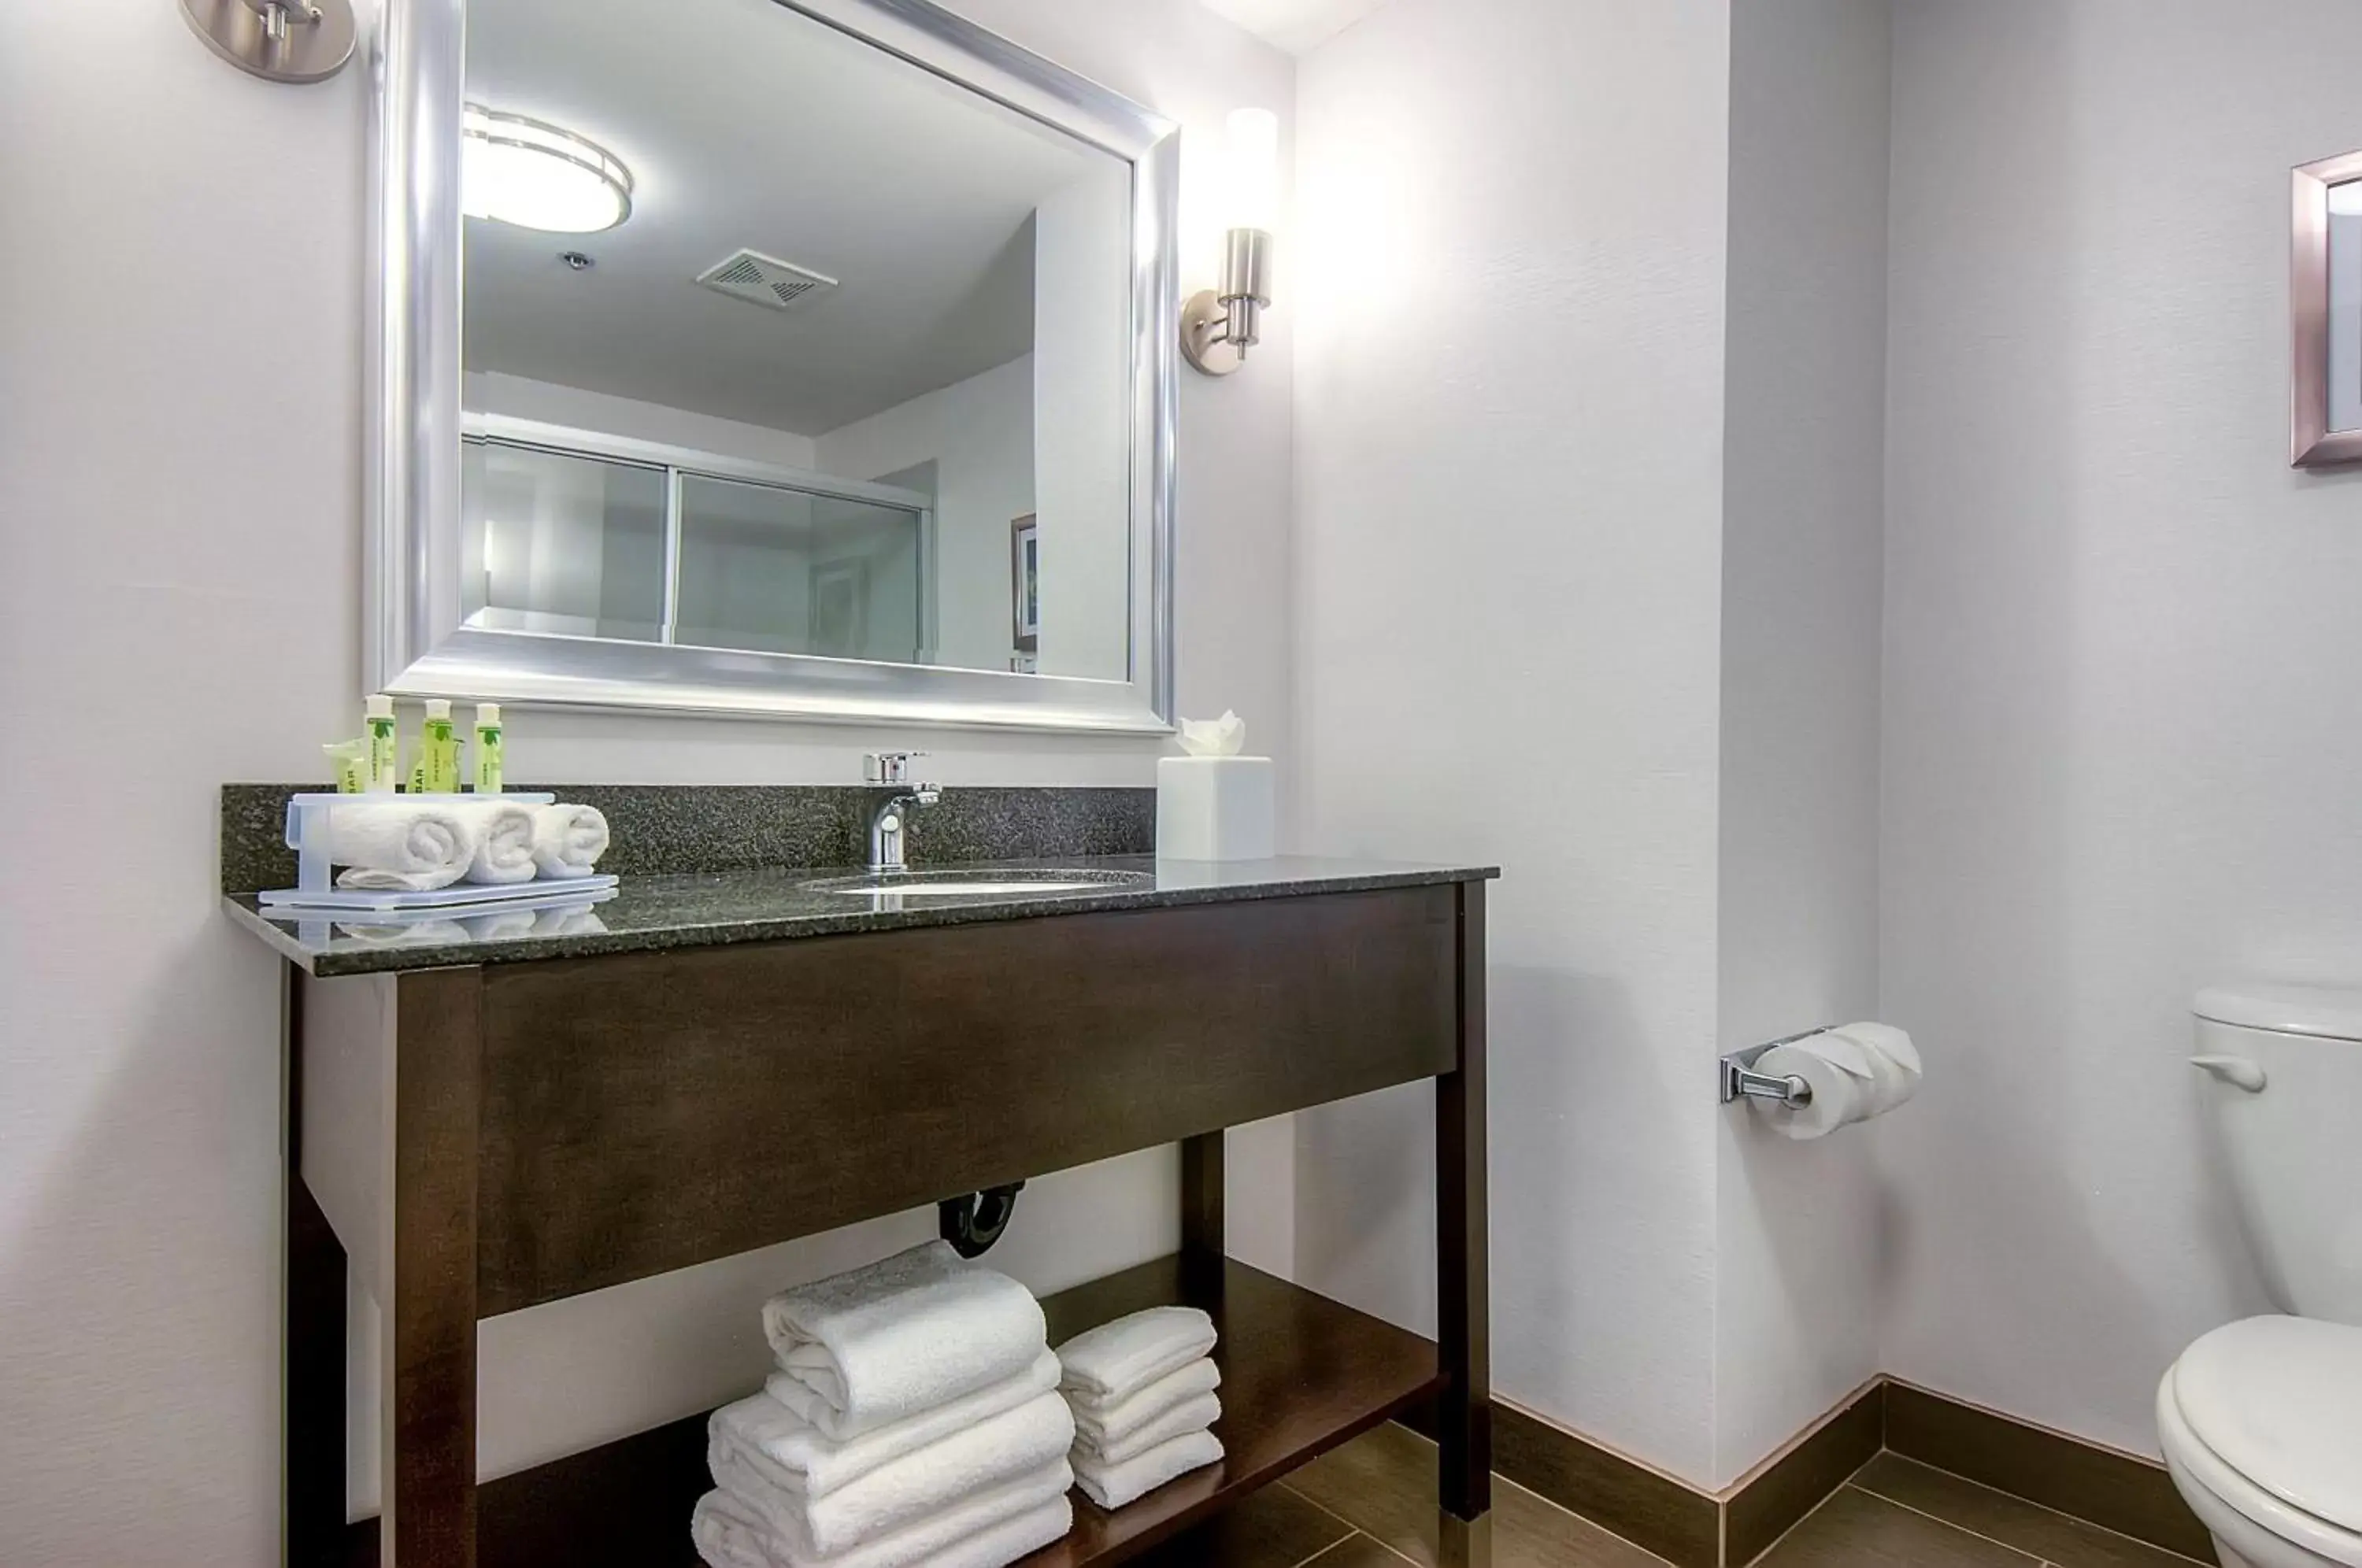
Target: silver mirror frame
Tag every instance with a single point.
(415, 642)
(2313, 444)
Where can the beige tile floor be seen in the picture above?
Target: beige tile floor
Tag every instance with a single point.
(1372, 1505)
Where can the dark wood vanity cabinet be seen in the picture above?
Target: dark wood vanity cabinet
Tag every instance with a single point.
(472, 1141)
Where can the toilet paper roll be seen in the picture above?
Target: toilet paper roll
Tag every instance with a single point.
(1889, 1086)
(1838, 1095)
(1895, 1067)
(1858, 1059)
(1887, 1040)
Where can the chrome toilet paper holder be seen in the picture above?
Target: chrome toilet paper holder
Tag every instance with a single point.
(1739, 1080)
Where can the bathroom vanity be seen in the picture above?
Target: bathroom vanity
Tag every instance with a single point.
(720, 1062)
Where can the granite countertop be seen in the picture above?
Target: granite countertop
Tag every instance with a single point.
(647, 913)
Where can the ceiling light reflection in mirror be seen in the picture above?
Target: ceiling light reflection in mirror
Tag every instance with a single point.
(540, 176)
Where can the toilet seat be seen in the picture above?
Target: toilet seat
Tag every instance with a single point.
(2265, 1415)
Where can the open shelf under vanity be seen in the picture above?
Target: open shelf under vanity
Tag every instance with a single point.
(1300, 1375)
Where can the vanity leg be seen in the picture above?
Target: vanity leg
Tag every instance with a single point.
(313, 1377)
(1465, 1414)
(428, 1374)
(1201, 1211)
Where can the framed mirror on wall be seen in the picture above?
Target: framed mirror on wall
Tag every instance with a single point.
(2326, 299)
(712, 359)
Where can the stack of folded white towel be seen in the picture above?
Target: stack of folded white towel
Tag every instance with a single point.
(914, 1419)
(418, 846)
(1141, 1389)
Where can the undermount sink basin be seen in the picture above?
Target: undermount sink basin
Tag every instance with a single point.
(1001, 882)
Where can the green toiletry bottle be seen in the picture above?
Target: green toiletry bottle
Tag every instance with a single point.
(488, 759)
(349, 760)
(438, 749)
(384, 766)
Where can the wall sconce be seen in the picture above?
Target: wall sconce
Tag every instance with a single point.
(279, 40)
(1220, 325)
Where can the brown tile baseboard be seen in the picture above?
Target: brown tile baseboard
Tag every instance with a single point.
(1648, 1509)
(1771, 1499)
(2131, 1496)
(1664, 1515)
(1694, 1529)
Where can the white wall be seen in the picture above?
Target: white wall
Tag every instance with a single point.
(979, 434)
(2123, 727)
(1803, 481)
(1509, 263)
(179, 591)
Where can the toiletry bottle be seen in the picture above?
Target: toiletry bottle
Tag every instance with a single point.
(350, 762)
(488, 759)
(384, 753)
(438, 749)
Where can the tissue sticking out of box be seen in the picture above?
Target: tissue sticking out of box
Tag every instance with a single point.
(1225, 737)
(1214, 804)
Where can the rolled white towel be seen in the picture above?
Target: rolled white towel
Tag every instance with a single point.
(1103, 1421)
(567, 840)
(990, 1453)
(1113, 1485)
(995, 1527)
(399, 846)
(796, 1457)
(504, 842)
(909, 1332)
(1125, 1356)
(1193, 1415)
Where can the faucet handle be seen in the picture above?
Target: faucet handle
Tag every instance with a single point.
(888, 767)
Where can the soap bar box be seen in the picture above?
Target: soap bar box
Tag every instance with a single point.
(1216, 808)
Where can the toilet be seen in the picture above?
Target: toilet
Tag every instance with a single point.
(2261, 1420)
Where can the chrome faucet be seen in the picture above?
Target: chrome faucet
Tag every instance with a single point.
(892, 768)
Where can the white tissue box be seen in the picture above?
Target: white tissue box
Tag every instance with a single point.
(1216, 808)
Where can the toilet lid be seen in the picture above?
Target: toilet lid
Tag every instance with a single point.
(2279, 1401)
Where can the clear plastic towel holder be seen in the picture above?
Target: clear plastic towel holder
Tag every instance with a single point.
(308, 819)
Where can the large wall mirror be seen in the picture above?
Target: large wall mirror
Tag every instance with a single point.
(794, 358)
(2326, 296)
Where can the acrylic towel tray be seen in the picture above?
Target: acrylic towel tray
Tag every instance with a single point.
(315, 888)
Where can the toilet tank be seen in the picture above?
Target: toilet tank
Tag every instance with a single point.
(2284, 1093)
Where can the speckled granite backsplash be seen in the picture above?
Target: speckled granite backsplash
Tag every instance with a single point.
(666, 828)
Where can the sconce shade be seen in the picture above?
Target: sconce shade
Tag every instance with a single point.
(1253, 150)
